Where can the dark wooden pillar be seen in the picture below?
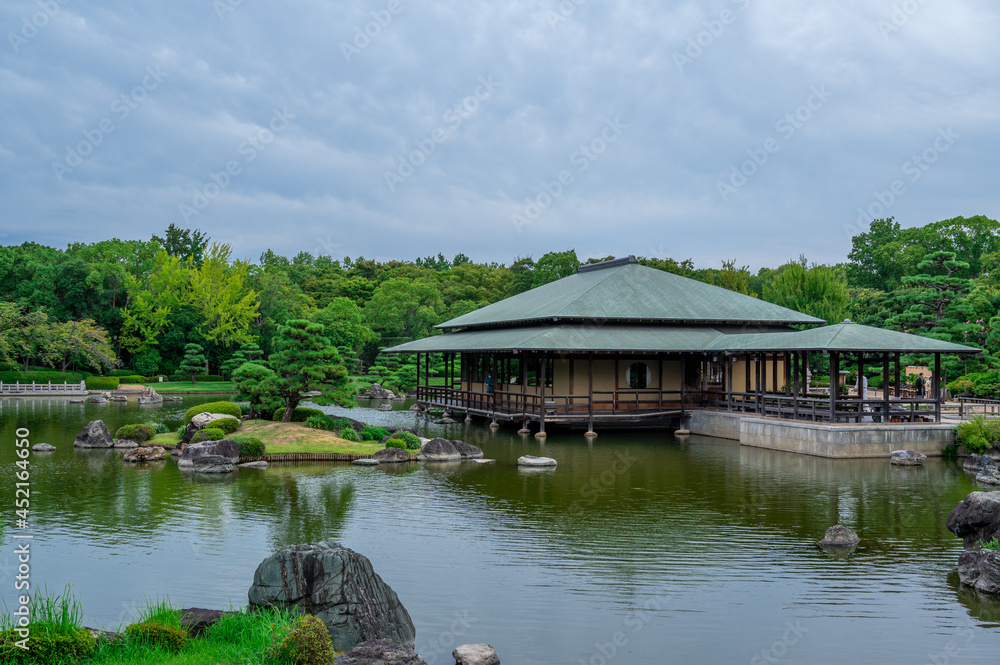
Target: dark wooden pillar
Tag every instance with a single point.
(614, 398)
(885, 387)
(937, 387)
(746, 386)
(795, 385)
(684, 363)
(787, 373)
(898, 387)
(834, 377)
(861, 385)
(729, 361)
(590, 392)
(805, 374)
(541, 386)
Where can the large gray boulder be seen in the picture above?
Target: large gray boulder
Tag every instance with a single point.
(989, 476)
(43, 448)
(213, 464)
(976, 518)
(339, 586)
(378, 392)
(439, 450)
(907, 458)
(380, 652)
(94, 435)
(226, 448)
(150, 396)
(203, 420)
(532, 461)
(391, 456)
(839, 536)
(467, 450)
(978, 463)
(146, 454)
(475, 654)
(980, 569)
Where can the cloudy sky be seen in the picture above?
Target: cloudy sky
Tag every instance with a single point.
(754, 130)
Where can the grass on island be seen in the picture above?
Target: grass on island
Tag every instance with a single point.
(242, 637)
(281, 438)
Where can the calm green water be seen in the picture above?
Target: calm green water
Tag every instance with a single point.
(637, 549)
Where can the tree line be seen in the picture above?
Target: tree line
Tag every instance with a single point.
(140, 303)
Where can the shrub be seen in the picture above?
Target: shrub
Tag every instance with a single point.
(348, 434)
(373, 433)
(342, 423)
(299, 415)
(155, 379)
(137, 433)
(103, 383)
(228, 408)
(396, 443)
(121, 372)
(208, 434)
(131, 378)
(41, 376)
(323, 422)
(978, 434)
(307, 643)
(207, 377)
(227, 425)
(48, 646)
(158, 428)
(250, 446)
(411, 440)
(158, 634)
(991, 544)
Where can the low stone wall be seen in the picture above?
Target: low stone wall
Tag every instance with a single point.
(846, 440)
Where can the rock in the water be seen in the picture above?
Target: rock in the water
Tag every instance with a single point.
(416, 407)
(475, 654)
(77, 401)
(98, 400)
(978, 463)
(225, 448)
(976, 518)
(980, 569)
(150, 454)
(989, 476)
(150, 396)
(445, 421)
(94, 435)
(213, 464)
(531, 460)
(907, 458)
(839, 536)
(380, 652)
(366, 461)
(189, 431)
(125, 443)
(43, 447)
(439, 450)
(378, 392)
(467, 450)
(484, 461)
(385, 407)
(392, 455)
(337, 585)
(260, 464)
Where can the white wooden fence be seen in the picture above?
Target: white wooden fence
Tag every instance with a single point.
(49, 388)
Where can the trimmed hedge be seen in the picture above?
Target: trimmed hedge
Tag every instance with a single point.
(131, 378)
(395, 443)
(227, 425)
(250, 446)
(373, 433)
(140, 433)
(300, 415)
(228, 408)
(48, 647)
(158, 634)
(40, 377)
(103, 383)
(411, 440)
(307, 643)
(208, 434)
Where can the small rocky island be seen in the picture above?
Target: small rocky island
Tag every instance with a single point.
(976, 520)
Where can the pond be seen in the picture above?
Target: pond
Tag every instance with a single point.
(638, 548)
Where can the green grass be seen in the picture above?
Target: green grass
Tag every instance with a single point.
(168, 439)
(990, 545)
(297, 438)
(201, 386)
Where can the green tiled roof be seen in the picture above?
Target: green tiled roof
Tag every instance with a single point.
(576, 338)
(629, 293)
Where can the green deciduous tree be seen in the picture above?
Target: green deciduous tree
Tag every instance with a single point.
(82, 344)
(219, 292)
(815, 291)
(344, 324)
(402, 310)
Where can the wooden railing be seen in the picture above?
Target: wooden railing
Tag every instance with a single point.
(43, 388)
(975, 406)
(621, 402)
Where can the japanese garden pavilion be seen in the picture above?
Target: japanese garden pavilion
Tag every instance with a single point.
(619, 343)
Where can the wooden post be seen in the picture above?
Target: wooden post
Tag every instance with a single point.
(659, 380)
(746, 386)
(614, 398)
(834, 377)
(541, 385)
(590, 392)
(885, 387)
(937, 387)
(788, 373)
(729, 373)
(683, 381)
(899, 387)
(795, 385)
(861, 385)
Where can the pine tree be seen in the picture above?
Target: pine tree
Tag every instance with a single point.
(932, 302)
(194, 360)
(306, 361)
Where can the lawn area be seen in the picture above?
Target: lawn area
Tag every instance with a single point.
(186, 387)
(297, 438)
(168, 439)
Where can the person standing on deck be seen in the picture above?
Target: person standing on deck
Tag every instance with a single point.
(489, 384)
(921, 386)
(863, 386)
